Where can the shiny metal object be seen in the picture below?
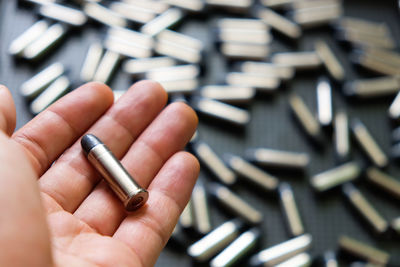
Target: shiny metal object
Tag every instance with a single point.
(215, 241)
(317, 16)
(106, 67)
(248, 36)
(132, 12)
(277, 3)
(142, 65)
(283, 251)
(244, 51)
(157, 7)
(329, 259)
(384, 181)
(280, 71)
(239, 248)
(330, 60)
(173, 73)
(261, 82)
(55, 90)
(367, 39)
(301, 260)
(342, 136)
(378, 29)
(365, 209)
(396, 225)
(221, 111)
(37, 83)
(363, 251)
(104, 15)
(372, 87)
(368, 144)
(184, 86)
(201, 210)
(375, 64)
(324, 101)
(49, 38)
(213, 162)
(128, 49)
(278, 158)
(18, 45)
(64, 14)
(186, 220)
(298, 60)
(91, 62)
(280, 23)
(120, 181)
(251, 173)
(394, 109)
(228, 94)
(331, 178)
(191, 5)
(290, 210)
(235, 204)
(162, 21)
(234, 5)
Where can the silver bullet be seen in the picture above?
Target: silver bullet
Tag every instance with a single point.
(132, 12)
(238, 5)
(278, 158)
(91, 62)
(191, 5)
(49, 38)
(324, 103)
(262, 82)
(221, 111)
(394, 109)
(298, 60)
(290, 210)
(366, 39)
(342, 136)
(235, 204)
(127, 49)
(279, 23)
(330, 60)
(184, 86)
(317, 16)
(281, 71)
(388, 56)
(186, 220)
(365, 209)
(201, 209)
(215, 241)
(106, 66)
(213, 162)
(283, 251)
(368, 144)
(396, 225)
(301, 260)
(104, 15)
(378, 29)
(131, 37)
(174, 73)
(157, 7)
(64, 14)
(363, 251)
(18, 45)
(384, 181)
(372, 87)
(244, 51)
(55, 90)
(180, 39)
(162, 21)
(121, 182)
(243, 24)
(228, 94)
(239, 35)
(142, 65)
(329, 259)
(252, 173)
(331, 178)
(237, 250)
(375, 64)
(41, 80)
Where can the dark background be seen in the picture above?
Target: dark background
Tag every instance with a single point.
(271, 125)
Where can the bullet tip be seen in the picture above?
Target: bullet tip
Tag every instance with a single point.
(89, 141)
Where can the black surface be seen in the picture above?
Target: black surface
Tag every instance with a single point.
(325, 217)
(89, 141)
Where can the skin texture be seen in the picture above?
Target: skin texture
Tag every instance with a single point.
(57, 211)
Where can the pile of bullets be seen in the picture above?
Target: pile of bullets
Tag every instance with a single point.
(140, 38)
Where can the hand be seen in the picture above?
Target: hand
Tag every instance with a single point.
(55, 208)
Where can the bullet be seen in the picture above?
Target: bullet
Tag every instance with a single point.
(121, 182)
(278, 158)
(329, 179)
(305, 118)
(131, 37)
(298, 60)
(186, 220)
(237, 250)
(280, 71)
(277, 3)
(91, 62)
(279, 23)
(106, 66)
(63, 14)
(330, 60)
(368, 144)
(364, 26)
(317, 16)
(261, 82)
(49, 38)
(290, 210)
(162, 21)
(18, 45)
(55, 90)
(366, 39)
(375, 64)
(384, 181)
(281, 252)
(191, 5)
(180, 39)
(126, 49)
(132, 12)
(141, 65)
(201, 209)
(215, 241)
(324, 101)
(235, 204)
(244, 51)
(394, 109)
(363, 251)
(396, 225)
(213, 162)
(37, 83)
(174, 73)
(219, 110)
(388, 56)
(104, 15)
(342, 136)
(329, 259)
(365, 209)
(185, 86)
(155, 6)
(228, 94)
(239, 5)
(301, 260)
(251, 173)
(242, 24)
(372, 87)
(248, 36)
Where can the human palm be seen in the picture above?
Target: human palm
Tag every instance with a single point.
(57, 211)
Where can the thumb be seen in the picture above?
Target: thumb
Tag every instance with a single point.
(7, 111)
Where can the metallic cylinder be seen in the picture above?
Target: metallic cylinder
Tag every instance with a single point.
(120, 181)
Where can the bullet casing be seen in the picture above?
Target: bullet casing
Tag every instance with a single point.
(290, 210)
(384, 181)
(228, 94)
(324, 101)
(64, 14)
(280, 23)
(330, 60)
(342, 136)
(91, 62)
(201, 210)
(301, 260)
(278, 158)
(373, 87)
(104, 15)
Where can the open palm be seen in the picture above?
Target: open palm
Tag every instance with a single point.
(76, 220)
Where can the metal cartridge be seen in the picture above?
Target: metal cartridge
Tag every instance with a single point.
(228, 94)
(279, 23)
(324, 101)
(298, 60)
(162, 21)
(64, 14)
(261, 82)
(91, 62)
(290, 210)
(342, 136)
(372, 87)
(330, 60)
(104, 15)
(384, 181)
(201, 210)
